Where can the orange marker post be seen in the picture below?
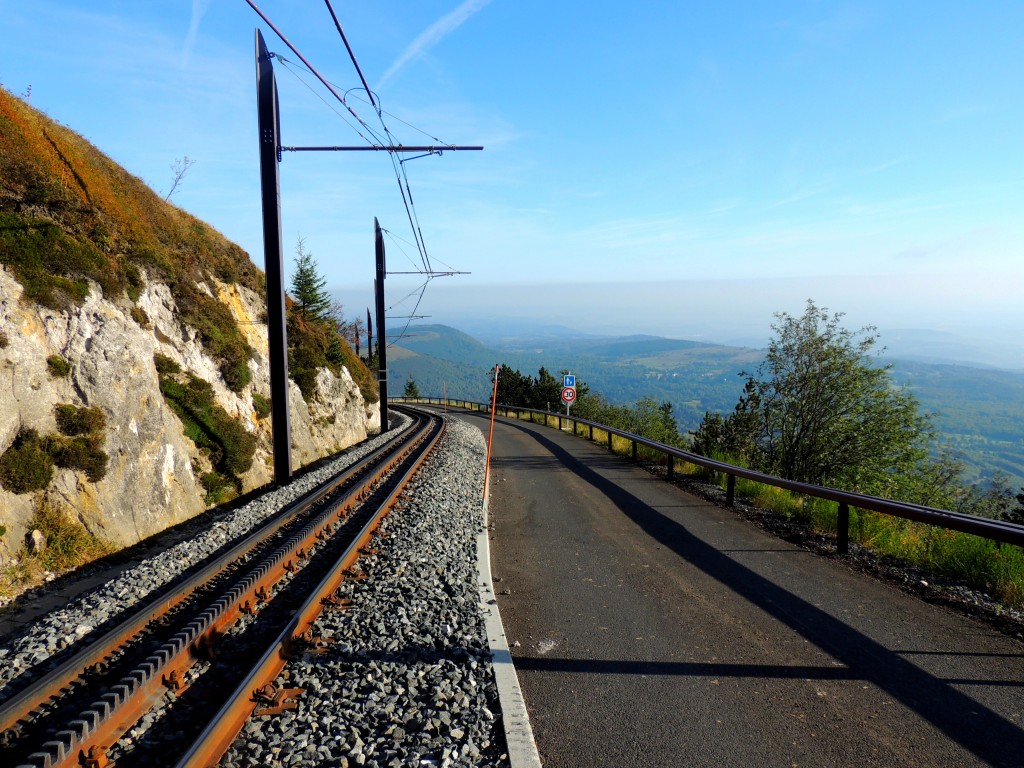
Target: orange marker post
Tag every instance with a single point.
(490, 434)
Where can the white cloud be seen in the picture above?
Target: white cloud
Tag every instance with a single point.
(430, 37)
(199, 8)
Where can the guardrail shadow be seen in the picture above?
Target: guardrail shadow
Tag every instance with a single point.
(984, 732)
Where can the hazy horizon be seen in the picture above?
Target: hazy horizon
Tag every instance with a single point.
(735, 312)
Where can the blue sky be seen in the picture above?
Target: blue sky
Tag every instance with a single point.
(640, 158)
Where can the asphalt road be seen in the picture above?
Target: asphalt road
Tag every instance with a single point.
(656, 629)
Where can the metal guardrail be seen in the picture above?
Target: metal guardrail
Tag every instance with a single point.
(989, 528)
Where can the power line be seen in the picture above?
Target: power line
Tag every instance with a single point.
(351, 55)
(390, 145)
(298, 53)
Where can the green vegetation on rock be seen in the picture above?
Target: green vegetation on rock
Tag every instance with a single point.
(220, 437)
(59, 367)
(261, 405)
(68, 543)
(72, 420)
(79, 445)
(26, 466)
(71, 217)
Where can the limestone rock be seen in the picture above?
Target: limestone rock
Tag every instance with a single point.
(35, 542)
(150, 482)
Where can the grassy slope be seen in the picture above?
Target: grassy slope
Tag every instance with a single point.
(70, 215)
(49, 173)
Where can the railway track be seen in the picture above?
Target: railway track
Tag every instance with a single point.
(196, 661)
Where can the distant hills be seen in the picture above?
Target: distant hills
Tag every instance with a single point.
(979, 411)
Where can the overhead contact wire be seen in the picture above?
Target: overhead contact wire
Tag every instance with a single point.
(305, 61)
(351, 55)
(398, 165)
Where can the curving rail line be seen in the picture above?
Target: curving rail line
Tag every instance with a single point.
(59, 720)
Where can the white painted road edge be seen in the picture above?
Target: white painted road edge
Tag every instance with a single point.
(522, 749)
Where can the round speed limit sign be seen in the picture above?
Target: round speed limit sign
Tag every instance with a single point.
(569, 395)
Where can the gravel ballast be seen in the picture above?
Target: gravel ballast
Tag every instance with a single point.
(407, 679)
(60, 629)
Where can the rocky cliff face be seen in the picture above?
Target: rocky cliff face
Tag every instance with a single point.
(152, 478)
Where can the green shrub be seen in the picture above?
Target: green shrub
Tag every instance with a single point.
(59, 367)
(165, 366)
(140, 317)
(133, 278)
(68, 543)
(82, 453)
(72, 420)
(261, 405)
(53, 267)
(229, 446)
(26, 466)
(314, 344)
(219, 488)
(84, 427)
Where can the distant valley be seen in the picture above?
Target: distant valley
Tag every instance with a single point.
(979, 410)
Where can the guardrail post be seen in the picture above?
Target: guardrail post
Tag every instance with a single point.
(559, 423)
(634, 451)
(671, 465)
(591, 432)
(843, 529)
(730, 491)
(610, 441)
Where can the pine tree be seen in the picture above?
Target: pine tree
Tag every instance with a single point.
(369, 335)
(412, 390)
(309, 287)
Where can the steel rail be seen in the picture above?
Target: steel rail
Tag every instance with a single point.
(86, 738)
(21, 704)
(985, 527)
(224, 727)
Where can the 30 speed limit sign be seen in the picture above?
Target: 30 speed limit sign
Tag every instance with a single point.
(569, 395)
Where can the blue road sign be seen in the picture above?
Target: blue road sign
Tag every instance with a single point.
(568, 380)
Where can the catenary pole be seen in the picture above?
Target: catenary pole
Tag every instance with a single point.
(277, 330)
(382, 359)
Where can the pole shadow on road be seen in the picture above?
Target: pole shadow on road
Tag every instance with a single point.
(990, 736)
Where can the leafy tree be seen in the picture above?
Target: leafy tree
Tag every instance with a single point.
(547, 390)
(412, 391)
(543, 392)
(818, 410)
(732, 438)
(514, 388)
(309, 287)
(653, 420)
(1016, 514)
(996, 498)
